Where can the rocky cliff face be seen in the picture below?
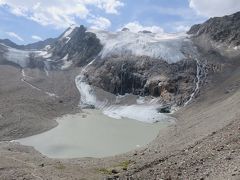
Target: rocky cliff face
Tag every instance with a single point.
(145, 76)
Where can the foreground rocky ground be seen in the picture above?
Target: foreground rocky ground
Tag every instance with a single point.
(203, 144)
(25, 110)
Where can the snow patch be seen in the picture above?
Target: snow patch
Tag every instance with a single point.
(65, 58)
(44, 54)
(51, 94)
(68, 32)
(140, 100)
(66, 63)
(48, 55)
(47, 47)
(236, 48)
(68, 39)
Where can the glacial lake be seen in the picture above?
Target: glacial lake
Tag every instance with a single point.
(93, 134)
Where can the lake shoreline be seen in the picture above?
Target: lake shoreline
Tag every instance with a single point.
(117, 136)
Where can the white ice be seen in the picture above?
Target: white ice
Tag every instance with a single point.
(167, 47)
(144, 113)
(17, 56)
(86, 91)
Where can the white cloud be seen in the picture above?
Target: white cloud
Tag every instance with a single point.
(62, 13)
(110, 6)
(136, 27)
(35, 37)
(100, 23)
(182, 28)
(14, 35)
(211, 8)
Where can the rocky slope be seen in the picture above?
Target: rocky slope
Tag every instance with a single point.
(220, 29)
(220, 34)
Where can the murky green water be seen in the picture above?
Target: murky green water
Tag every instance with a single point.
(92, 134)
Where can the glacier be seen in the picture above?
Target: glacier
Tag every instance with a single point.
(167, 47)
(17, 56)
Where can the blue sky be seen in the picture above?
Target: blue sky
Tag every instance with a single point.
(28, 21)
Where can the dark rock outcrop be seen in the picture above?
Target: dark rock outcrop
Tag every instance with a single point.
(79, 46)
(145, 76)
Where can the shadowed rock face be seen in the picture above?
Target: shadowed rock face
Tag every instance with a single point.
(220, 29)
(145, 76)
(79, 46)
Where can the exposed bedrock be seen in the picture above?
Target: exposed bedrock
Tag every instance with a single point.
(76, 44)
(145, 76)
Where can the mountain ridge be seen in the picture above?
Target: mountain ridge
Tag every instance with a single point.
(32, 46)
